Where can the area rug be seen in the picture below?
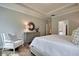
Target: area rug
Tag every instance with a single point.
(10, 53)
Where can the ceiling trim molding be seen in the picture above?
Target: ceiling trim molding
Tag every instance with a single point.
(75, 9)
(60, 8)
(30, 8)
(72, 8)
(16, 8)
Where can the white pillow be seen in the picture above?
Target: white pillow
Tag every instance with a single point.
(75, 36)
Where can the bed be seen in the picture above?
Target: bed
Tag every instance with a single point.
(54, 45)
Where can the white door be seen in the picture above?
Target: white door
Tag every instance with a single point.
(62, 28)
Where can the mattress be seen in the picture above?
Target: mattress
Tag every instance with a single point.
(55, 45)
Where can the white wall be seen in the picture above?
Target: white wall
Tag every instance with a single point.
(54, 22)
(11, 21)
(73, 19)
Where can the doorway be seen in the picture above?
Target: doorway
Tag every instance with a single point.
(63, 27)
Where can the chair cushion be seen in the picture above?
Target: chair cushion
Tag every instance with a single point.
(12, 37)
(10, 41)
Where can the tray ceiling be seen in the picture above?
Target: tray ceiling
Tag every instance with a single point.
(43, 10)
(45, 7)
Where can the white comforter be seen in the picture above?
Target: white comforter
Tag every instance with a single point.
(55, 45)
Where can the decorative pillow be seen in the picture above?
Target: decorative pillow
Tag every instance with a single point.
(75, 36)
